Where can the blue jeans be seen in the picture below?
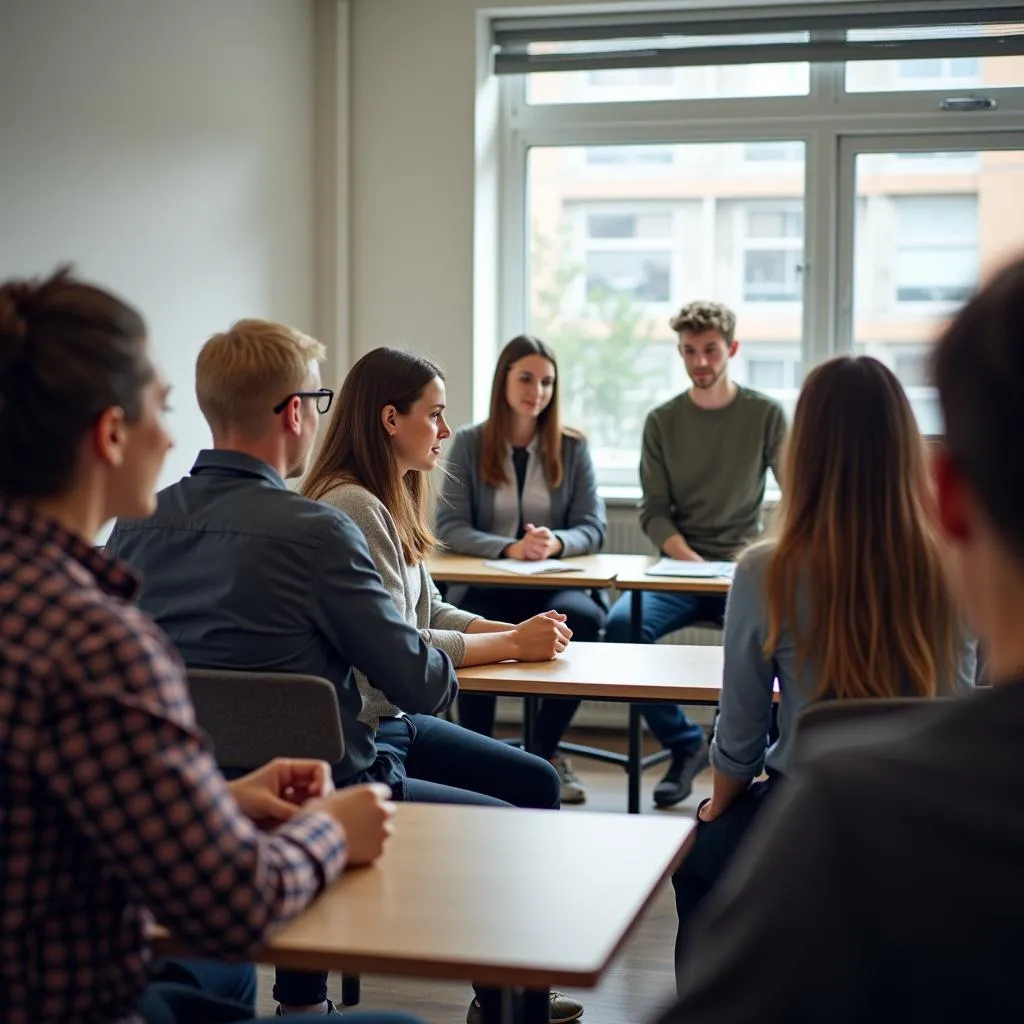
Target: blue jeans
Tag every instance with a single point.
(584, 616)
(664, 612)
(446, 764)
(206, 992)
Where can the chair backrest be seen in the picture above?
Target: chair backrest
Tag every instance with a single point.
(832, 724)
(253, 717)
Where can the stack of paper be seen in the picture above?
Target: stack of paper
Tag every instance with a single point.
(693, 570)
(524, 568)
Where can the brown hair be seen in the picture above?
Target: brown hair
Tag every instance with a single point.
(698, 317)
(242, 373)
(979, 370)
(357, 448)
(854, 531)
(68, 351)
(498, 426)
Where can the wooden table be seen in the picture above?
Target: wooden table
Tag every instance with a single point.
(638, 673)
(524, 900)
(598, 571)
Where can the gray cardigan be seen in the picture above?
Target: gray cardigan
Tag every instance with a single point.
(465, 513)
(410, 586)
(740, 746)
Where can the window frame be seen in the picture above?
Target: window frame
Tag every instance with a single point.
(833, 125)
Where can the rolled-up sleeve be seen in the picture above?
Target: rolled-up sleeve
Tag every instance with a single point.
(745, 710)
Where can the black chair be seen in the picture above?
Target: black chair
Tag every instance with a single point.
(253, 717)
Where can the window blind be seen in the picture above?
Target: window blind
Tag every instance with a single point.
(743, 33)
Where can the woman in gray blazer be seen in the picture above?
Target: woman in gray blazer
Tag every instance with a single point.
(520, 485)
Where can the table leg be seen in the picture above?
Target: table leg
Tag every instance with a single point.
(635, 768)
(508, 1005)
(531, 707)
(636, 617)
(536, 1006)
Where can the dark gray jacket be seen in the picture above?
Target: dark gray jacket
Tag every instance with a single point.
(465, 513)
(242, 573)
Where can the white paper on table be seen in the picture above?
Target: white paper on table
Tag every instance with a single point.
(693, 570)
(521, 567)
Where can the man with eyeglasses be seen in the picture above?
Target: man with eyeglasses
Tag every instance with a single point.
(243, 573)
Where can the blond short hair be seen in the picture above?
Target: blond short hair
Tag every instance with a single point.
(242, 373)
(698, 317)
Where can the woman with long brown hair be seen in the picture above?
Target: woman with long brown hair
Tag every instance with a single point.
(847, 601)
(521, 485)
(384, 439)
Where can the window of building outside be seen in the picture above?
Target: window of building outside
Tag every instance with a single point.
(622, 230)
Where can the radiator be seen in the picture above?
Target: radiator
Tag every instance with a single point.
(624, 537)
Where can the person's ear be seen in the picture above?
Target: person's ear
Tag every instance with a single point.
(952, 497)
(293, 415)
(110, 436)
(389, 417)
(734, 347)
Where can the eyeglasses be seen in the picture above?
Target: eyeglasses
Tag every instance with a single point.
(323, 397)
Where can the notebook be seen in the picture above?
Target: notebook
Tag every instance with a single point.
(692, 570)
(523, 568)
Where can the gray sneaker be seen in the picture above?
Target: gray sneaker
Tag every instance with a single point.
(677, 784)
(573, 791)
(563, 1010)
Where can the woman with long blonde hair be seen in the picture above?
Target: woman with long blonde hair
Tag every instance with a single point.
(847, 601)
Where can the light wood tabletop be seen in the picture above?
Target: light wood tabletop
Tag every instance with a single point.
(630, 574)
(594, 571)
(634, 672)
(502, 897)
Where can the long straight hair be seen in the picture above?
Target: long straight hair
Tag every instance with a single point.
(498, 427)
(357, 448)
(854, 530)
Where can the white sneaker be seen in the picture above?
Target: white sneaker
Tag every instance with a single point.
(573, 791)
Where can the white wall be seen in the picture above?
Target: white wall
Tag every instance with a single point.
(167, 148)
(413, 102)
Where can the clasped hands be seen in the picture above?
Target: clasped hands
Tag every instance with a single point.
(537, 543)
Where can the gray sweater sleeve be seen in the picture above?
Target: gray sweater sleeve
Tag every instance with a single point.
(443, 624)
(745, 707)
(374, 520)
(585, 515)
(455, 524)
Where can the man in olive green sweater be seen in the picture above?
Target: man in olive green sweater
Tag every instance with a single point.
(705, 457)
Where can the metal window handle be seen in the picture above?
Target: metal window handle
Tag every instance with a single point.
(962, 104)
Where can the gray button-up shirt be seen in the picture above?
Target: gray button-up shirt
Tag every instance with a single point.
(242, 573)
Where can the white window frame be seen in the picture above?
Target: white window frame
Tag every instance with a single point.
(833, 124)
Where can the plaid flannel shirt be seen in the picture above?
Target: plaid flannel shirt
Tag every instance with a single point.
(112, 809)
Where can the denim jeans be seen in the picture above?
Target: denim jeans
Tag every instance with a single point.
(445, 764)
(584, 616)
(663, 613)
(204, 995)
(715, 843)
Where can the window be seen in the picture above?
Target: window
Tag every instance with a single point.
(766, 374)
(773, 252)
(860, 225)
(612, 260)
(617, 156)
(630, 85)
(773, 152)
(919, 251)
(936, 248)
(911, 366)
(633, 276)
